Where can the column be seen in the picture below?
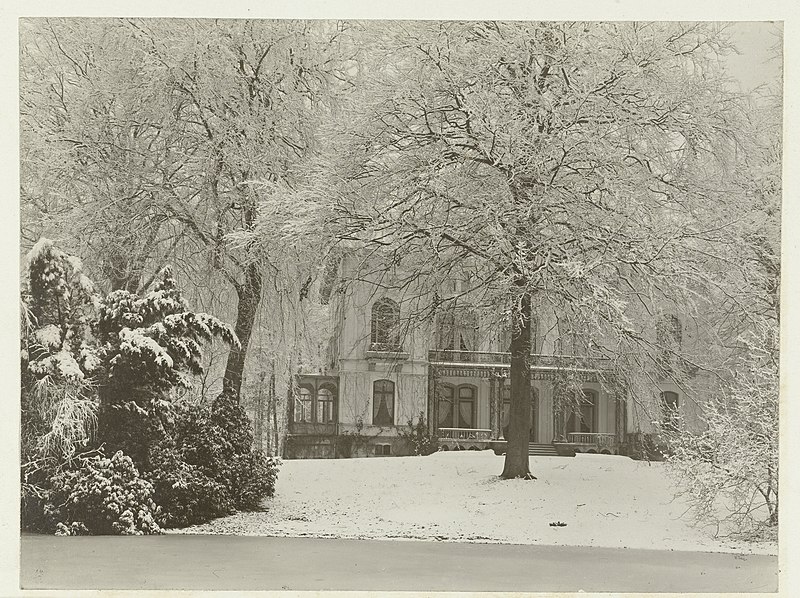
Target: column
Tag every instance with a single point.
(493, 414)
(433, 415)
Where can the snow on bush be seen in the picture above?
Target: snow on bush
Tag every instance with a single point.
(138, 346)
(58, 400)
(102, 496)
(111, 366)
(206, 466)
(150, 345)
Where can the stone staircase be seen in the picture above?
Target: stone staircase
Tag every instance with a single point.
(542, 450)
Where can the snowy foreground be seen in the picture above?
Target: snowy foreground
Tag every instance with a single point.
(457, 496)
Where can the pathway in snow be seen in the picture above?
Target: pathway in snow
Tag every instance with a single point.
(236, 563)
(604, 500)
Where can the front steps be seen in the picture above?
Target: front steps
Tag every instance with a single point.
(559, 449)
(542, 450)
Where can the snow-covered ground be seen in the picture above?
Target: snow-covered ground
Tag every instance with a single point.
(457, 496)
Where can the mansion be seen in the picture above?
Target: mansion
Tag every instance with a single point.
(453, 373)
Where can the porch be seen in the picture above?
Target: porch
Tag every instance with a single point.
(469, 403)
(593, 442)
(457, 439)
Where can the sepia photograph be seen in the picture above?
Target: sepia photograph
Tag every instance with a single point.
(399, 305)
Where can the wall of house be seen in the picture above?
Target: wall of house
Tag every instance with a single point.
(356, 378)
(359, 367)
(353, 325)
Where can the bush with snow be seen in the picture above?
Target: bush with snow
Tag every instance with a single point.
(58, 395)
(149, 346)
(58, 399)
(420, 439)
(206, 466)
(102, 496)
(103, 373)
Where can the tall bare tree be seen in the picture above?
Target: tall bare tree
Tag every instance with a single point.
(563, 164)
(165, 137)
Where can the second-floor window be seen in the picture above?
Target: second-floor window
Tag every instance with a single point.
(457, 330)
(669, 337)
(385, 326)
(536, 339)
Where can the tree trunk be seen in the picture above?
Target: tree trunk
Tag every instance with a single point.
(517, 463)
(249, 294)
(273, 401)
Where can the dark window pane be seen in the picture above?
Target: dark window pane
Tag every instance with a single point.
(325, 403)
(302, 406)
(383, 403)
(445, 397)
(466, 407)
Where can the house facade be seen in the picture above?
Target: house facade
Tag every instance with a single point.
(386, 370)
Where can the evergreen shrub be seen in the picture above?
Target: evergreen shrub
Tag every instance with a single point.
(206, 466)
(101, 495)
(419, 438)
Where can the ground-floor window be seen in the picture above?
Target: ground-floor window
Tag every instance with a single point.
(325, 402)
(446, 399)
(669, 410)
(466, 407)
(582, 419)
(302, 405)
(457, 406)
(315, 405)
(383, 403)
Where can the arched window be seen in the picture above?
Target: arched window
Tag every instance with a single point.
(669, 410)
(325, 405)
(383, 403)
(466, 406)
(583, 418)
(302, 405)
(385, 326)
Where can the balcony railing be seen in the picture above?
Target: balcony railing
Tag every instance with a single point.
(595, 438)
(498, 358)
(464, 434)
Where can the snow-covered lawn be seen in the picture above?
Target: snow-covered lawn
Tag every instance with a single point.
(603, 500)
